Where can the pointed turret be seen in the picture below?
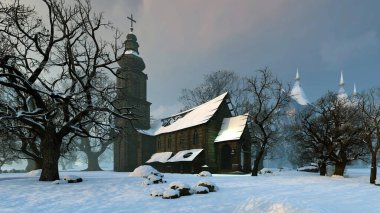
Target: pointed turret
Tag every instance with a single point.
(297, 93)
(341, 83)
(342, 93)
(354, 93)
(297, 75)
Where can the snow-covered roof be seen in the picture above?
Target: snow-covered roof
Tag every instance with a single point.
(232, 128)
(185, 155)
(297, 92)
(193, 117)
(161, 157)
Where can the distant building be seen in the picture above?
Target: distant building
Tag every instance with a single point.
(206, 137)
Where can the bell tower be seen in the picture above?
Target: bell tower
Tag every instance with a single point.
(132, 94)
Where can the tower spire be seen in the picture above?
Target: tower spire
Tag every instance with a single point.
(297, 75)
(342, 93)
(341, 83)
(355, 92)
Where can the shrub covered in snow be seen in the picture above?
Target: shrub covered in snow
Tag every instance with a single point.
(153, 179)
(311, 168)
(265, 171)
(200, 190)
(143, 171)
(171, 194)
(210, 185)
(72, 179)
(204, 174)
(183, 188)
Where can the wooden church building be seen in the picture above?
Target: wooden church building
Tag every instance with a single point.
(206, 137)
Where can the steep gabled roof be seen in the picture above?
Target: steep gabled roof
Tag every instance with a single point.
(232, 128)
(193, 117)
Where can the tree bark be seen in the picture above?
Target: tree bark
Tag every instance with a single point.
(340, 167)
(93, 162)
(50, 150)
(322, 168)
(373, 175)
(256, 164)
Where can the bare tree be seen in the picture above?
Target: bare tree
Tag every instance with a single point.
(7, 154)
(331, 130)
(53, 71)
(213, 85)
(268, 96)
(370, 107)
(311, 132)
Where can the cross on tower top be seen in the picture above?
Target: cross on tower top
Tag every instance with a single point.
(132, 20)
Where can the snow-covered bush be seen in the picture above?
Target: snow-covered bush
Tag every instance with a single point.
(311, 168)
(170, 194)
(200, 190)
(157, 193)
(143, 171)
(183, 188)
(210, 185)
(72, 179)
(265, 171)
(34, 173)
(155, 179)
(204, 174)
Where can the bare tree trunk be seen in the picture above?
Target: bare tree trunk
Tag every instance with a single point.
(340, 167)
(322, 168)
(50, 149)
(256, 164)
(93, 162)
(373, 175)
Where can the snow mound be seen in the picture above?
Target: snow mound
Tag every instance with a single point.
(153, 179)
(255, 205)
(178, 185)
(157, 193)
(34, 173)
(170, 194)
(72, 179)
(204, 174)
(143, 171)
(183, 188)
(200, 190)
(210, 185)
(265, 171)
(310, 168)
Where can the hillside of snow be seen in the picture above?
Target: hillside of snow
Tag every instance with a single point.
(281, 191)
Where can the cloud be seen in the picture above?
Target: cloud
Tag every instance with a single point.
(339, 52)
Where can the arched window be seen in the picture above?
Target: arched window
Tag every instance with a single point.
(195, 137)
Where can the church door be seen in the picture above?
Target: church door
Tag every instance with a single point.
(226, 158)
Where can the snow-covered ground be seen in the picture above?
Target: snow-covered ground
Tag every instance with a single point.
(286, 191)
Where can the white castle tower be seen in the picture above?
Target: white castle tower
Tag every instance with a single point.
(342, 95)
(297, 93)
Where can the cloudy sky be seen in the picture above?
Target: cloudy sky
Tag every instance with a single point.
(181, 40)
